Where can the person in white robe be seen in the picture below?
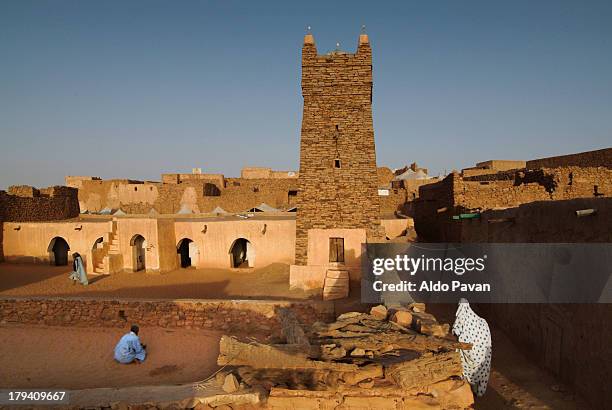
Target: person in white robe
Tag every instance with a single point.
(129, 349)
(78, 273)
(471, 328)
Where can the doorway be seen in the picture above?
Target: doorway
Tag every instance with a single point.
(58, 251)
(188, 253)
(242, 254)
(138, 253)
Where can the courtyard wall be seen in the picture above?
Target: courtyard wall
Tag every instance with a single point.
(233, 316)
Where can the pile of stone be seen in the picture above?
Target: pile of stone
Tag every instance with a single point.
(403, 349)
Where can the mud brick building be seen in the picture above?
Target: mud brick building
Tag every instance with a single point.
(338, 203)
(563, 178)
(536, 203)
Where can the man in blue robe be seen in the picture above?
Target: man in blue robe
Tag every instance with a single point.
(78, 270)
(129, 349)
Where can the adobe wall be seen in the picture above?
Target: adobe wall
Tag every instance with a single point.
(569, 340)
(433, 211)
(394, 202)
(197, 195)
(542, 221)
(239, 316)
(457, 194)
(28, 242)
(273, 240)
(501, 164)
(385, 176)
(337, 125)
(25, 203)
(598, 158)
(265, 173)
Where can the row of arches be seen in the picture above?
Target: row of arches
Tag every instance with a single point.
(242, 252)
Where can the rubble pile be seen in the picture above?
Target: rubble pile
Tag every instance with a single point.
(388, 352)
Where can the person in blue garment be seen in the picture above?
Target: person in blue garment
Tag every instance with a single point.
(129, 349)
(78, 270)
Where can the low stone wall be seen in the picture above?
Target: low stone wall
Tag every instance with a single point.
(223, 315)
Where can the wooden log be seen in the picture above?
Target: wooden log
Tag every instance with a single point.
(426, 370)
(427, 324)
(234, 352)
(386, 342)
(308, 378)
(331, 352)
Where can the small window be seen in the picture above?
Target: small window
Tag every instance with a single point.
(135, 188)
(292, 193)
(336, 250)
(337, 163)
(255, 189)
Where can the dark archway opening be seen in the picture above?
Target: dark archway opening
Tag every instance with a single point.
(138, 252)
(98, 243)
(58, 251)
(183, 249)
(242, 254)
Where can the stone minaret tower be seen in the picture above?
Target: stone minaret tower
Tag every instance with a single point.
(337, 179)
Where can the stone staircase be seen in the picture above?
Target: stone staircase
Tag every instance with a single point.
(109, 257)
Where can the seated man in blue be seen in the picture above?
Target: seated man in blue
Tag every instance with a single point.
(129, 349)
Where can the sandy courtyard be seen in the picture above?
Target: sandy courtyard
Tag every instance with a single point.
(271, 282)
(62, 357)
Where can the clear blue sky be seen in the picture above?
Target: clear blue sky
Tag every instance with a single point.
(137, 88)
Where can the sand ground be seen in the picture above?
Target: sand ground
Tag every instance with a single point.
(271, 282)
(79, 358)
(38, 356)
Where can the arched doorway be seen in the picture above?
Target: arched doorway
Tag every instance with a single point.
(97, 244)
(242, 254)
(188, 253)
(138, 253)
(58, 251)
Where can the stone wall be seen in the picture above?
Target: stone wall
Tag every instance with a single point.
(197, 195)
(598, 158)
(25, 203)
(535, 206)
(231, 315)
(456, 194)
(542, 221)
(572, 341)
(569, 340)
(338, 177)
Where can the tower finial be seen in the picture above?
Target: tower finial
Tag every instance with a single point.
(338, 46)
(308, 38)
(363, 29)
